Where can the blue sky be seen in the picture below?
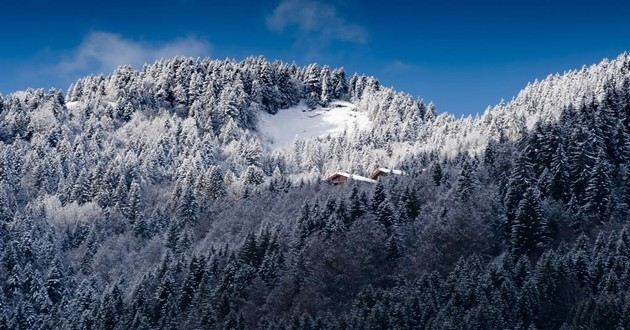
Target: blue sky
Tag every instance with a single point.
(462, 55)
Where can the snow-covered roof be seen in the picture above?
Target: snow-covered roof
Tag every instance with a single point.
(392, 171)
(355, 177)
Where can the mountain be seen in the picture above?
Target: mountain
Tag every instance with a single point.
(191, 194)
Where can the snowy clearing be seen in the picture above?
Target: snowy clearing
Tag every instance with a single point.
(298, 123)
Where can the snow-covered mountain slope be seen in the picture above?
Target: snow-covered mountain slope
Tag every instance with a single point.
(240, 114)
(300, 123)
(540, 102)
(182, 181)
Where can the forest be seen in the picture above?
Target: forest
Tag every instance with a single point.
(148, 199)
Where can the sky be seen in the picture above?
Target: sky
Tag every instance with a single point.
(461, 55)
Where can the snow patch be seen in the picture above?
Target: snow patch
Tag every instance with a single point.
(300, 123)
(356, 177)
(391, 171)
(74, 105)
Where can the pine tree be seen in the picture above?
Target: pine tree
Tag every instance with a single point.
(378, 196)
(393, 249)
(165, 292)
(339, 84)
(215, 182)
(82, 189)
(357, 208)
(334, 226)
(253, 176)
(55, 283)
(7, 208)
(327, 86)
(187, 205)
(529, 230)
(141, 228)
(411, 203)
(91, 247)
(121, 198)
(519, 182)
(133, 206)
(581, 155)
(304, 222)
(466, 182)
(436, 173)
(385, 214)
(249, 250)
(312, 85)
(558, 184)
(232, 102)
(111, 309)
(251, 152)
(191, 283)
(597, 193)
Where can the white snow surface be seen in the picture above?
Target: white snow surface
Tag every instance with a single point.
(73, 104)
(356, 177)
(300, 123)
(388, 171)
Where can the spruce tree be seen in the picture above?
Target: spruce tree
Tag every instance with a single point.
(186, 208)
(519, 182)
(253, 176)
(597, 194)
(558, 185)
(436, 173)
(529, 230)
(465, 182)
(339, 83)
(133, 206)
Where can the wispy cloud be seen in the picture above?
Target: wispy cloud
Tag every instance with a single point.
(314, 20)
(397, 67)
(101, 52)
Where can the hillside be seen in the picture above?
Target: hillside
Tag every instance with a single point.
(189, 195)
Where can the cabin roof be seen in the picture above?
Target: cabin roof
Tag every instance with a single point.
(385, 171)
(352, 177)
(392, 171)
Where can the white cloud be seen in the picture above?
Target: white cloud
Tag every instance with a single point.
(316, 20)
(398, 66)
(102, 52)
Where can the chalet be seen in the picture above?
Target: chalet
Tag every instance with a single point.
(383, 171)
(340, 178)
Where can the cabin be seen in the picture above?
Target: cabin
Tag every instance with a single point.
(383, 171)
(340, 178)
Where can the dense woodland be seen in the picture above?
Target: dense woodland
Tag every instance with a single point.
(148, 200)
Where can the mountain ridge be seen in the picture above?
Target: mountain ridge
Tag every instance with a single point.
(147, 200)
(493, 117)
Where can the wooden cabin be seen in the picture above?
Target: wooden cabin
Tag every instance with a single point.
(340, 178)
(383, 171)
